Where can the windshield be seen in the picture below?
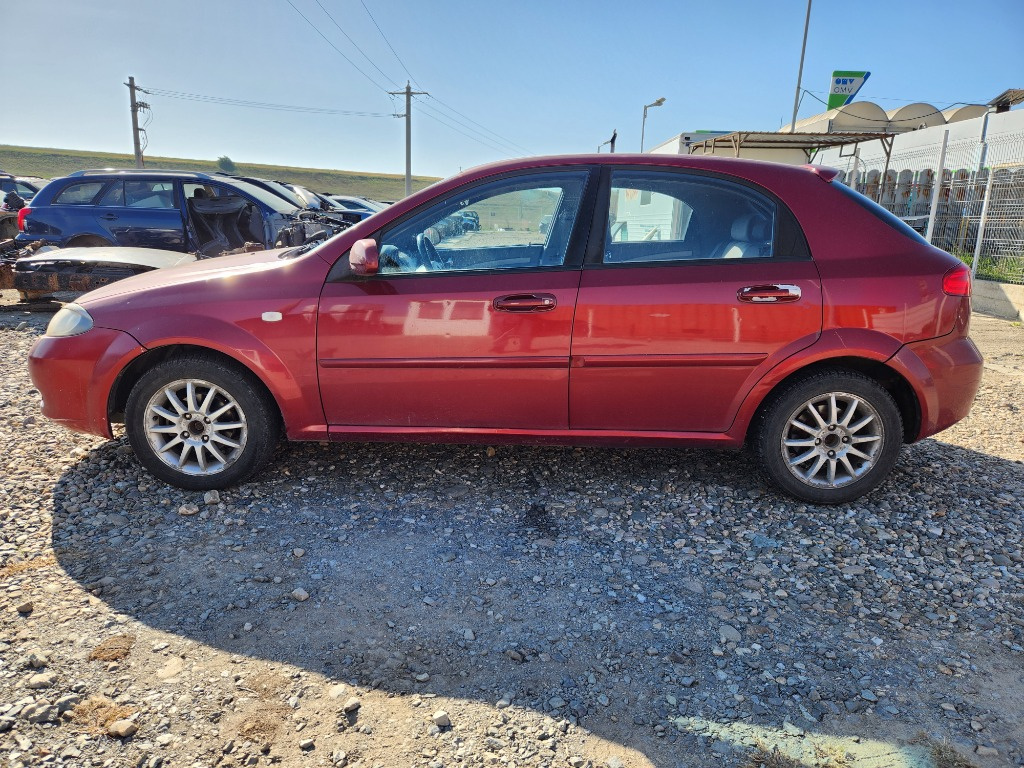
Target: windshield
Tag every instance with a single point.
(269, 199)
(281, 190)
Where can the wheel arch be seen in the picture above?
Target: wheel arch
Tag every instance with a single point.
(117, 400)
(88, 241)
(891, 380)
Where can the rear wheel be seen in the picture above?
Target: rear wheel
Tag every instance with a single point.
(200, 423)
(831, 437)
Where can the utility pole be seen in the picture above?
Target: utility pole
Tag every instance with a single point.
(800, 74)
(409, 93)
(135, 120)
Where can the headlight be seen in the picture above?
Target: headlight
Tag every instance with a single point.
(70, 320)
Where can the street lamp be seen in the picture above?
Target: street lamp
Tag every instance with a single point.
(643, 126)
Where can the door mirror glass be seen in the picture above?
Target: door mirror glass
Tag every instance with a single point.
(363, 258)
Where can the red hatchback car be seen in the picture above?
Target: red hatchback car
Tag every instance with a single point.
(672, 300)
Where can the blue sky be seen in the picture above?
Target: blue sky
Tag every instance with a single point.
(526, 77)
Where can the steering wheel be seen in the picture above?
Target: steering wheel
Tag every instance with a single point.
(427, 252)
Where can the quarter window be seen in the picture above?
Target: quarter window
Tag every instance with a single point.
(519, 222)
(80, 193)
(662, 216)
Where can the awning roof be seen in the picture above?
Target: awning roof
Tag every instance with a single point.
(808, 142)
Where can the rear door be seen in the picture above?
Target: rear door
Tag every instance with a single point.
(143, 213)
(703, 285)
(460, 329)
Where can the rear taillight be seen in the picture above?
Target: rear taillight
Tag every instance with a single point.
(957, 282)
(21, 218)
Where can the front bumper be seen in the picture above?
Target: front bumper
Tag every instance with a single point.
(75, 375)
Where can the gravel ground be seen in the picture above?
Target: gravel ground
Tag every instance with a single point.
(387, 605)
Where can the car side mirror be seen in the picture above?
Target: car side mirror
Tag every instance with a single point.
(363, 258)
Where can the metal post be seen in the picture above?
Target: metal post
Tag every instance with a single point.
(800, 74)
(855, 176)
(408, 93)
(981, 224)
(135, 122)
(643, 129)
(937, 187)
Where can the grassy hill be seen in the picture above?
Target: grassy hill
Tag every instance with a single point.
(51, 163)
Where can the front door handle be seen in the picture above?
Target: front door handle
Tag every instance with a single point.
(525, 302)
(109, 216)
(768, 294)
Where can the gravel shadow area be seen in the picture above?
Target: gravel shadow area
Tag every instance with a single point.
(374, 604)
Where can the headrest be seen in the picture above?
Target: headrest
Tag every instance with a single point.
(752, 228)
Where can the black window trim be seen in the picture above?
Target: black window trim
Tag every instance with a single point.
(582, 232)
(104, 185)
(785, 224)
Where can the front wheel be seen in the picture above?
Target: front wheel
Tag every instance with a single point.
(830, 438)
(200, 423)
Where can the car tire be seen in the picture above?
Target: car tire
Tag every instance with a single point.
(201, 423)
(829, 437)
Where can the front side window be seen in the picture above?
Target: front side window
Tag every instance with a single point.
(79, 193)
(671, 216)
(518, 222)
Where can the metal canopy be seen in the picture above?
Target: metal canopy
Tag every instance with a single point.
(1011, 97)
(809, 143)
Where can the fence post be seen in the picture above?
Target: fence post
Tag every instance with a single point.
(937, 187)
(981, 224)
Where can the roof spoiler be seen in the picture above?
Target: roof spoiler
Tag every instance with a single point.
(822, 172)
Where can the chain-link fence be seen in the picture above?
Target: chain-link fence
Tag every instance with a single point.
(979, 213)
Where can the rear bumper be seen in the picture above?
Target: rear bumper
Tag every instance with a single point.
(945, 373)
(75, 374)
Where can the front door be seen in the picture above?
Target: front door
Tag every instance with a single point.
(703, 285)
(462, 327)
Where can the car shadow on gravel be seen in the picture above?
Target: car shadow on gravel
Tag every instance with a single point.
(653, 596)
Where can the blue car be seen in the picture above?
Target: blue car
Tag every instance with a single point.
(199, 213)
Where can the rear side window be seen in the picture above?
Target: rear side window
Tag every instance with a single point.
(879, 212)
(79, 193)
(149, 194)
(671, 216)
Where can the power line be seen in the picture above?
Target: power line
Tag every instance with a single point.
(488, 130)
(517, 147)
(911, 101)
(336, 48)
(225, 101)
(874, 119)
(389, 44)
(355, 45)
(507, 147)
(503, 152)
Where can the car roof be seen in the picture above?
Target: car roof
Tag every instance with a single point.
(148, 172)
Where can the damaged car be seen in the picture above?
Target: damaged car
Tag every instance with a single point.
(129, 212)
(200, 213)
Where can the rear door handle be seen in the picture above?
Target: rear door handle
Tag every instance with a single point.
(109, 216)
(769, 294)
(525, 302)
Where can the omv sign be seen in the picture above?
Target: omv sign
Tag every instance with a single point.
(844, 87)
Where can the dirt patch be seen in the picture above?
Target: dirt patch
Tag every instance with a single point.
(262, 727)
(97, 712)
(113, 648)
(24, 566)
(266, 685)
